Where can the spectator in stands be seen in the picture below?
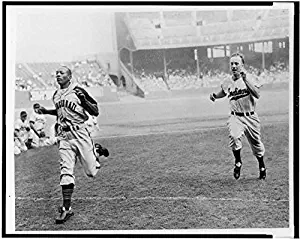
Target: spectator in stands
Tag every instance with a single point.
(187, 78)
(82, 71)
(123, 81)
(90, 75)
(201, 76)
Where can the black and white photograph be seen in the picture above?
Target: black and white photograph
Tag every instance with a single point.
(149, 119)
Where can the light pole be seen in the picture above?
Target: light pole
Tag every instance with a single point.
(197, 62)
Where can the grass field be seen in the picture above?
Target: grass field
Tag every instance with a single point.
(162, 177)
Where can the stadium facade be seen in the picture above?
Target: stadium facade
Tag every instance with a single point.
(160, 42)
(195, 39)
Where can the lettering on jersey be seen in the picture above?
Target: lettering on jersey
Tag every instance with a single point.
(61, 118)
(238, 93)
(66, 104)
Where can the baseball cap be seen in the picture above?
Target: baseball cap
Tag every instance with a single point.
(36, 106)
(23, 113)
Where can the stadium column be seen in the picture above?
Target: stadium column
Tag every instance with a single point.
(263, 55)
(197, 62)
(287, 48)
(165, 63)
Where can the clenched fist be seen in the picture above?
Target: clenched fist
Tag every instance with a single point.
(212, 97)
(40, 109)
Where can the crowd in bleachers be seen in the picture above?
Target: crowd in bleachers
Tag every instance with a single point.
(188, 27)
(90, 74)
(278, 72)
(150, 81)
(25, 85)
(180, 79)
(25, 80)
(32, 76)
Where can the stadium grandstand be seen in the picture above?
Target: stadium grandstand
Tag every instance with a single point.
(165, 51)
(88, 73)
(178, 50)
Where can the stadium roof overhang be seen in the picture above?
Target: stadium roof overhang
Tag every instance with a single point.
(212, 40)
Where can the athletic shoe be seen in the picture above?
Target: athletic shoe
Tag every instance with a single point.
(28, 144)
(262, 173)
(237, 170)
(101, 150)
(64, 215)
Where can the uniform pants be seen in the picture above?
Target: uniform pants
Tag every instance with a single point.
(36, 140)
(248, 126)
(44, 141)
(77, 145)
(19, 146)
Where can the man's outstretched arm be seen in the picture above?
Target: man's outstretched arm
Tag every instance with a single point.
(218, 95)
(43, 110)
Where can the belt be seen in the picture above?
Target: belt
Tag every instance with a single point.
(242, 113)
(69, 128)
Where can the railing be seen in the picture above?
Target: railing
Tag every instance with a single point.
(132, 84)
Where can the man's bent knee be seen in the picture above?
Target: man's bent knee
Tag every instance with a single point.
(235, 143)
(259, 153)
(66, 179)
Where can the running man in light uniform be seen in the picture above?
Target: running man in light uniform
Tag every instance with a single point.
(242, 90)
(74, 142)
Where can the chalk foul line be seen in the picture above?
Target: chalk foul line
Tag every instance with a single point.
(154, 198)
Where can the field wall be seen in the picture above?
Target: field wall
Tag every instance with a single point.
(25, 99)
(184, 107)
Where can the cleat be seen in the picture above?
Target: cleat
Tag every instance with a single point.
(64, 215)
(237, 170)
(98, 166)
(262, 173)
(101, 150)
(28, 144)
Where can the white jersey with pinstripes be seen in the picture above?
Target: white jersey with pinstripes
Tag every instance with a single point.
(240, 98)
(69, 110)
(39, 121)
(22, 128)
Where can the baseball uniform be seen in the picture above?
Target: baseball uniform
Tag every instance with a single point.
(22, 128)
(19, 146)
(243, 119)
(39, 122)
(74, 140)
